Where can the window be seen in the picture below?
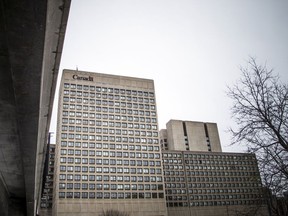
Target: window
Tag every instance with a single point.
(85, 195)
(61, 194)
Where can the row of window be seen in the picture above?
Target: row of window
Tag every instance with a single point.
(213, 173)
(225, 190)
(212, 203)
(108, 96)
(111, 116)
(209, 156)
(83, 177)
(216, 187)
(109, 109)
(223, 185)
(210, 179)
(100, 186)
(109, 90)
(109, 131)
(220, 162)
(113, 162)
(110, 154)
(99, 153)
(92, 169)
(110, 124)
(221, 157)
(126, 170)
(210, 186)
(229, 168)
(107, 154)
(210, 173)
(111, 178)
(214, 197)
(109, 146)
(207, 161)
(224, 168)
(232, 189)
(219, 167)
(110, 103)
(112, 195)
(108, 138)
(170, 174)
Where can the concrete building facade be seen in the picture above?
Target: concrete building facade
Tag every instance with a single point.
(47, 191)
(190, 136)
(108, 153)
(202, 180)
(212, 183)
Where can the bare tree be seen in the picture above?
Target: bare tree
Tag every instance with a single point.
(260, 110)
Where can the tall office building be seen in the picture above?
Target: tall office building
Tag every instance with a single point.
(190, 136)
(108, 151)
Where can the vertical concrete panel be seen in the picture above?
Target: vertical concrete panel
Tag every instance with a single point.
(175, 132)
(196, 136)
(214, 137)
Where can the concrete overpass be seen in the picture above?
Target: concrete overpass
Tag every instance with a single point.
(31, 40)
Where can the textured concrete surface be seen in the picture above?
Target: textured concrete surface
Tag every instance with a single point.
(196, 134)
(31, 40)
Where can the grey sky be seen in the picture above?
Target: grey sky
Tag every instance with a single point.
(192, 49)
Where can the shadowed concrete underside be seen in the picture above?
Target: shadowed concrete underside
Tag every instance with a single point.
(31, 40)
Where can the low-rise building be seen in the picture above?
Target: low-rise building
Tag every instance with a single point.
(207, 181)
(47, 190)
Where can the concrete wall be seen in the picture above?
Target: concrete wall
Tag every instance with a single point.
(133, 207)
(175, 134)
(196, 136)
(45, 212)
(214, 137)
(219, 211)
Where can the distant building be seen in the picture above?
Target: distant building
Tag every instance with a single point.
(47, 191)
(108, 153)
(190, 136)
(202, 180)
(211, 183)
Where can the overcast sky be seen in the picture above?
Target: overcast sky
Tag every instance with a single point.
(191, 49)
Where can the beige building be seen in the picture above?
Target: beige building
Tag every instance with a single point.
(212, 183)
(108, 153)
(202, 180)
(190, 136)
(47, 191)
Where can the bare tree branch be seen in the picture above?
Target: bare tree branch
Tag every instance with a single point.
(260, 110)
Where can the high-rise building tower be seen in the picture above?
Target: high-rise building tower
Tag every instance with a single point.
(190, 136)
(108, 151)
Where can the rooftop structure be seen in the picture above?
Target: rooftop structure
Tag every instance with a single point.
(190, 136)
